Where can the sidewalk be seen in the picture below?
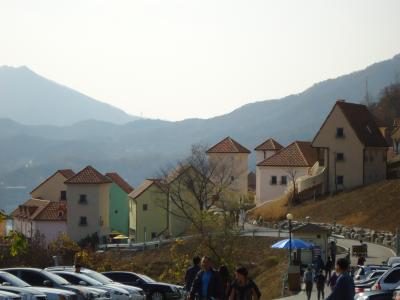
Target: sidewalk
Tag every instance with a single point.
(302, 295)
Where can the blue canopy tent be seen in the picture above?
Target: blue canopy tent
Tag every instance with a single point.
(294, 243)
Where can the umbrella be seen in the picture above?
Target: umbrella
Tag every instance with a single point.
(120, 237)
(296, 244)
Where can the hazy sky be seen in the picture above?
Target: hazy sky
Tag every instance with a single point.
(175, 59)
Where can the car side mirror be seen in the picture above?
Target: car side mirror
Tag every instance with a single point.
(82, 282)
(48, 283)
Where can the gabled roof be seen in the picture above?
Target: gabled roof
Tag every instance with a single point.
(228, 145)
(310, 228)
(41, 210)
(88, 175)
(297, 154)
(269, 144)
(145, 186)
(362, 122)
(67, 173)
(118, 180)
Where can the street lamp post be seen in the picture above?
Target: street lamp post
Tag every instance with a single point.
(289, 217)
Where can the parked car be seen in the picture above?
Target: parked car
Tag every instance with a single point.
(363, 271)
(42, 278)
(25, 293)
(388, 281)
(393, 260)
(115, 292)
(375, 295)
(8, 279)
(134, 292)
(153, 289)
(9, 296)
(367, 283)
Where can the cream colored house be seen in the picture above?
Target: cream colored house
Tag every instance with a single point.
(351, 147)
(53, 188)
(149, 211)
(230, 160)
(267, 149)
(40, 217)
(277, 171)
(88, 204)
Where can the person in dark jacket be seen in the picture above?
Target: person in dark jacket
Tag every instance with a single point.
(207, 283)
(191, 273)
(332, 281)
(328, 268)
(225, 281)
(320, 281)
(243, 288)
(344, 288)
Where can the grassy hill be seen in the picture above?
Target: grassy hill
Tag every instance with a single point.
(374, 206)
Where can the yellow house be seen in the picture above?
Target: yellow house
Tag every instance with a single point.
(53, 188)
(351, 147)
(88, 204)
(148, 211)
(230, 160)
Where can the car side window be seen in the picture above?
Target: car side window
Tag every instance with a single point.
(69, 278)
(33, 278)
(393, 277)
(123, 277)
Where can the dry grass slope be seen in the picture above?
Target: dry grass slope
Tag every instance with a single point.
(374, 206)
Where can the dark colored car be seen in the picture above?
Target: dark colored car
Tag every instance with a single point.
(375, 295)
(154, 290)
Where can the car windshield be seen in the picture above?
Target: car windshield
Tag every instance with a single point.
(81, 277)
(99, 277)
(146, 278)
(12, 279)
(55, 278)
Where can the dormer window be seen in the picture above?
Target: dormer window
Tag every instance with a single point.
(339, 132)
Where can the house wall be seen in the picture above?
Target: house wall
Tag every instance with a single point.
(96, 210)
(24, 226)
(262, 155)
(154, 219)
(132, 217)
(235, 165)
(374, 164)
(318, 239)
(265, 191)
(51, 230)
(51, 189)
(119, 210)
(351, 168)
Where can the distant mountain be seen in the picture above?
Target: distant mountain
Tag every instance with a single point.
(29, 98)
(139, 149)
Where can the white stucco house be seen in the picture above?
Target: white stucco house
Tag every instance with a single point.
(267, 149)
(275, 172)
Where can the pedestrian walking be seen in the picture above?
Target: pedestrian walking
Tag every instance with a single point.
(319, 264)
(320, 282)
(348, 256)
(361, 260)
(191, 273)
(328, 267)
(344, 288)
(332, 281)
(207, 283)
(308, 281)
(226, 281)
(243, 288)
(332, 249)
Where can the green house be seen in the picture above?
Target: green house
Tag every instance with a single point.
(119, 204)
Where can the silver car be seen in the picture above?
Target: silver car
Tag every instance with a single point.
(9, 296)
(25, 293)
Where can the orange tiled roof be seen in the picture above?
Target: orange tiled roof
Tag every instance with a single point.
(297, 154)
(228, 145)
(269, 144)
(67, 173)
(88, 175)
(41, 210)
(118, 180)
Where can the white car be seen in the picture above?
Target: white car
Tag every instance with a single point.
(9, 280)
(25, 293)
(393, 260)
(388, 281)
(82, 279)
(135, 293)
(9, 296)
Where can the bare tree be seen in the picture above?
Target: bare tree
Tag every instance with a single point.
(294, 197)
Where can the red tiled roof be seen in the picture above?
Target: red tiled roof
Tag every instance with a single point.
(269, 144)
(228, 145)
(145, 186)
(118, 180)
(88, 175)
(67, 173)
(363, 123)
(41, 210)
(297, 154)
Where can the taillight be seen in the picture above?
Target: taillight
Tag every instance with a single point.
(359, 290)
(377, 286)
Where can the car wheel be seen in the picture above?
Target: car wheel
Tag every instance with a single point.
(157, 296)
